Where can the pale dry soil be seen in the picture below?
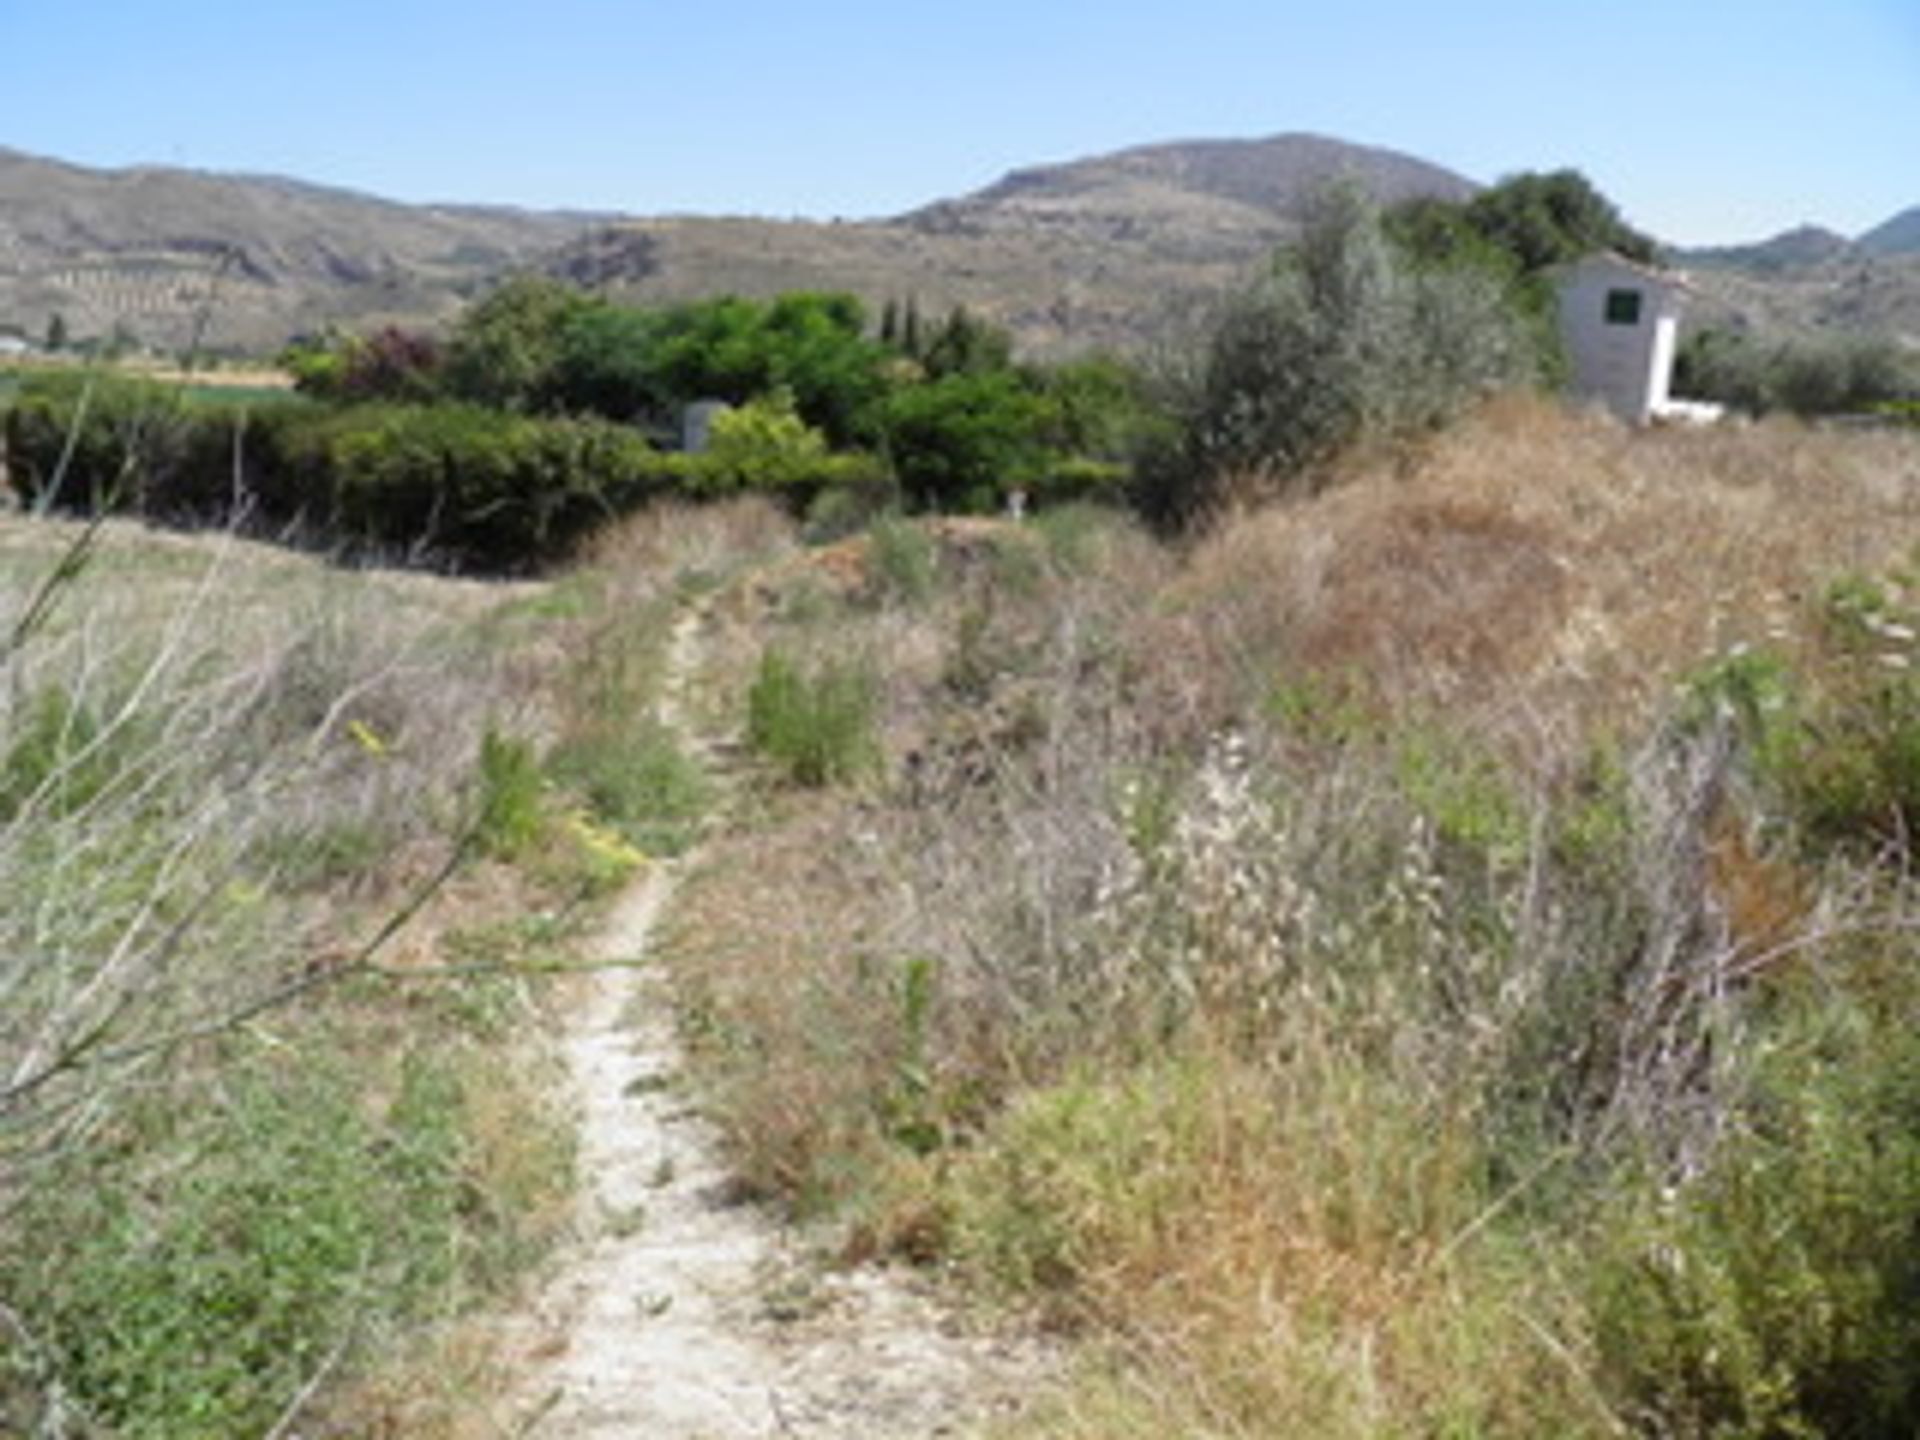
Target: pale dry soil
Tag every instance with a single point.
(683, 1313)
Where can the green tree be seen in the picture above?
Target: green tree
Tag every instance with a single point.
(1347, 337)
(1534, 220)
(607, 364)
(964, 344)
(57, 336)
(1098, 407)
(912, 340)
(962, 441)
(811, 343)
(820, 352)
(506, 350)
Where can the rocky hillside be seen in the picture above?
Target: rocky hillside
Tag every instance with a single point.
(1065, 254)
(148, 248)
(1210, 197)
(1898, 236)
(1107, 252)
(1098, 252)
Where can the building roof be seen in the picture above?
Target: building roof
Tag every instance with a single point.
(1672, 279)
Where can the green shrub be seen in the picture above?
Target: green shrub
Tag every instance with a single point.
(1774, 1294)
(962, 441)
(1346, 339)
(88, 442)
(512, 806)
(196, 1300)
(1760, 374)
(765, 445)
(817, 727)
(638, 779)
(452, 484)
(903, 560)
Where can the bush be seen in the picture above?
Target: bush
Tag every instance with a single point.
(962, 441)
(1759, 374)
(765, 445)
(87, 443)
(903, 560)
(817, 727)
(449, 484)
(1345, 340)
(390, 364)
(1774, 1293)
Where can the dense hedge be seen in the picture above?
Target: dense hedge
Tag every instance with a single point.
(454, 485)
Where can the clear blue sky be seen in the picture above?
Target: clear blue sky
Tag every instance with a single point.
(1708, 120)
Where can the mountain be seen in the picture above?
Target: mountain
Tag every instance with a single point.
(1216, 192)
(1062, 253)
(149, 248)
(1898, 236)
(1790, 249)
(1813, 282)
(1101, 252)
(1104, 252)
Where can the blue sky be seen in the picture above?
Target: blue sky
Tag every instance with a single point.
(1708, 120)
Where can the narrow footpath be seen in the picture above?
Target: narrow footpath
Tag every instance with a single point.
(681, 1313)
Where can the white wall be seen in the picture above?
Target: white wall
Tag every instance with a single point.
(1628, 368)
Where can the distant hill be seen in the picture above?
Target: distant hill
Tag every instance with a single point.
(1104, 252)
(1813, 281)
(1803, 245)
(1201, 191)
(1101, 252)
(146, 248)
(1898, 236)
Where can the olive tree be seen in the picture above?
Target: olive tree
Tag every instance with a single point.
(1345, 337)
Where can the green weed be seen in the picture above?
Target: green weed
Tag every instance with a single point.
(196, 1300)
(817, 727)
(638, 779)
(512, 808)
(904, 561)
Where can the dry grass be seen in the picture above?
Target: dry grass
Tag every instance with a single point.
(1293, 977)
(284, 757)
(1538, 569)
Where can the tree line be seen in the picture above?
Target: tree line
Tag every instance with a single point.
(545, 408)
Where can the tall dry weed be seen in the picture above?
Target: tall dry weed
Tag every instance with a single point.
(1544, 565)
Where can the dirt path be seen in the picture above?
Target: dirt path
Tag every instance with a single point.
(682, 1314)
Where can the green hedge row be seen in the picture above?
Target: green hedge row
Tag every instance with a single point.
(454, 485)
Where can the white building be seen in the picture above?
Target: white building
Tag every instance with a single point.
(1621, 321)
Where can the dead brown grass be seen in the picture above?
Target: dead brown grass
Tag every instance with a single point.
(1535, 562)
(774, 940)
(1288, 1236)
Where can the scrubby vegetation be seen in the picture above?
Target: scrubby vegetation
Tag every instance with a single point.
(548, 413)
(1418, 943)
(288, 855)
(1389, 969)
(1760, 375)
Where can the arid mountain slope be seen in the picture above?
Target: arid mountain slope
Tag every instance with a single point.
(1102, 252)
(1105, 252)
(1071, 256)
(1897, 236)
(148, 248)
